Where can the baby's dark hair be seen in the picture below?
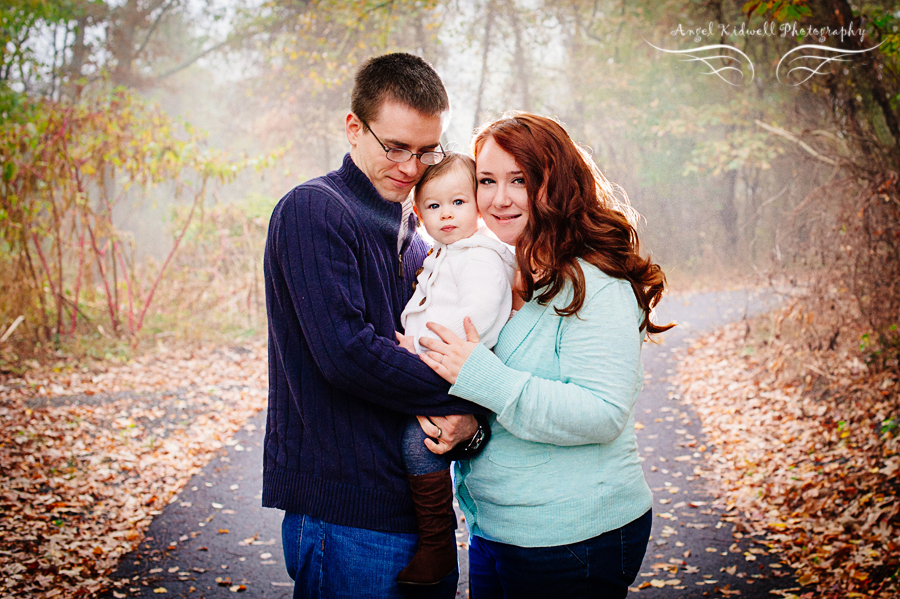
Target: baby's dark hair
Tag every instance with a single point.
(464, 161)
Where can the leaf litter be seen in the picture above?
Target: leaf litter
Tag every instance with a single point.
(88, 456)
(803, 453)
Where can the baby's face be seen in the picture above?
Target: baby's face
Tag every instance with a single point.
(447, 207)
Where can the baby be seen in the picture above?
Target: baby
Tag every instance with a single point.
(466, 273)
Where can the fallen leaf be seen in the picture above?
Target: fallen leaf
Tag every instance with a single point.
(106, 468)
(797, 447)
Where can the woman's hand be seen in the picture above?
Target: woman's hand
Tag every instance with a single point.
(446, 357)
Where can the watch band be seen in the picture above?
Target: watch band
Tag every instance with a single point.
(467, 451)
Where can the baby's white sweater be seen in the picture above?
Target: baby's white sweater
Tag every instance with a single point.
(471, 277)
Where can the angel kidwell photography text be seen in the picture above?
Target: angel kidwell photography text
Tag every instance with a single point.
(214, 215)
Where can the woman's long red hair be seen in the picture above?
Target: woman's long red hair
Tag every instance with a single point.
(573, 213)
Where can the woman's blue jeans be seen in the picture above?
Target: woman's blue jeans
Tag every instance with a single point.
(601, 567)
(327, 561)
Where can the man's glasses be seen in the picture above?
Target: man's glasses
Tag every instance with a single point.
(401, 155)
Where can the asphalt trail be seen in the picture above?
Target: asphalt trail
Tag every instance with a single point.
(215, 529)
(695, 539)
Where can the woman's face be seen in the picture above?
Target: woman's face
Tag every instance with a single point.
(502, 197)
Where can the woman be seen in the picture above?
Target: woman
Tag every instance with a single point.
(557, 504)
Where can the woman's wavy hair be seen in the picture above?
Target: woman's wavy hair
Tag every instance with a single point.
(574, 212)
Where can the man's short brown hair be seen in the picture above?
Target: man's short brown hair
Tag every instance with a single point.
(401, 77)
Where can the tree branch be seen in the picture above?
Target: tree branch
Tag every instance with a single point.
(153, 26)
(198, 199)
(191, 61)
(790, 137)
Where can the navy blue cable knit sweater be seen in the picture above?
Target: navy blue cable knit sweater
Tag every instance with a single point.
(340, 388)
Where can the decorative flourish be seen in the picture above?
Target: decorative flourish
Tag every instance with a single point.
(707, 60)
(823, 60)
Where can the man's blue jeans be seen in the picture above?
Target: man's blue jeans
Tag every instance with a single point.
(327, 561)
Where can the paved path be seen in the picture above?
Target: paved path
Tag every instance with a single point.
(695, 539)
(216, 530)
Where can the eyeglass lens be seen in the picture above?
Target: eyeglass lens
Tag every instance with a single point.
(401, 155)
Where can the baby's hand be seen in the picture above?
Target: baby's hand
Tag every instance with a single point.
(406, 342)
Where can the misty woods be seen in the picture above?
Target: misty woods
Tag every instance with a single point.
(128, 209)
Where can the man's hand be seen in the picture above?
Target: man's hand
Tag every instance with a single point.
(407, 342)
(448, 430)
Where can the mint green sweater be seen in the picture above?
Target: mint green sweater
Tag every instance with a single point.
(562, 465)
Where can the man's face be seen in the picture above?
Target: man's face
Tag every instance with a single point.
(397, 126)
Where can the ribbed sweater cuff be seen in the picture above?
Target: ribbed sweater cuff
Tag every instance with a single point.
(484, 379)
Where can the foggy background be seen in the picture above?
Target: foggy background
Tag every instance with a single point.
(739, 169)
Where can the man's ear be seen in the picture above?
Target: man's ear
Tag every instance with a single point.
(354, 129)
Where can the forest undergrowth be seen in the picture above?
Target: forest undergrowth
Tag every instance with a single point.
(802, 442)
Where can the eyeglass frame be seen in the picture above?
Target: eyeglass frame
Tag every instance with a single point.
(418, 156)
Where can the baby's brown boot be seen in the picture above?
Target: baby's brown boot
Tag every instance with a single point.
(435, 555)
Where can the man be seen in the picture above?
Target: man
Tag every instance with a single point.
(341, 256)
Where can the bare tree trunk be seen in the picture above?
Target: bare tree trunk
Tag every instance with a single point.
(485, 51)
(125, 20)
(79, 55)
(523, 76)
(844, 18)
(728, 215)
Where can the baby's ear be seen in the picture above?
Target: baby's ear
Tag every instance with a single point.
(416, 211)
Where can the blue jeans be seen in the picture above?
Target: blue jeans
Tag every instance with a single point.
(601, 567)
(327, 561)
